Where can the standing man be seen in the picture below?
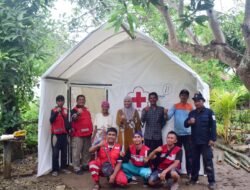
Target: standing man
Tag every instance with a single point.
(154, 118)
(133, 161)
(107, 152)
(59, 123)
(180, 112)
(82, 129)
(170, 162)
(203, 126)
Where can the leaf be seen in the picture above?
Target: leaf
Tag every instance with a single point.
(201, 19)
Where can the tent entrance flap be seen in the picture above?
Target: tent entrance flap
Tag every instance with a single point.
(94, 96)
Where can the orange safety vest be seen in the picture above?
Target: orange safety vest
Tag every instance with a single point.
(82, 126)
(167, 161)
(58, 126)
(114, 154)
(138, 159)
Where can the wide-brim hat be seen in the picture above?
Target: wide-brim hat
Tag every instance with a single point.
(198, 96)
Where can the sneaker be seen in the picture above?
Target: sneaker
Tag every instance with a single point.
(54, 173)
(174, 186)
(134, 178)
(211, 186)
(132, 182)
(66, 171)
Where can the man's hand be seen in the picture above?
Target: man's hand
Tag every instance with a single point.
(163, 176)
(191, 121)
(112, 179)
(211, 143)
(165, 111)
(79, 111)
(122, 154)
(58, 109)
(146, 160)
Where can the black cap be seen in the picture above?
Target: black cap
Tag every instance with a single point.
(198, 96)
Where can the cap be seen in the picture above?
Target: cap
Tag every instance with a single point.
(138, 133)
(198, 96)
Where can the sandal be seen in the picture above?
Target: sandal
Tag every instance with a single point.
(96, 187)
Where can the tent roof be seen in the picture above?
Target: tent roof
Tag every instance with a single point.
(98, 43)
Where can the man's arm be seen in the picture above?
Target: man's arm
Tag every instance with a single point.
(116, 170)
(152, 154)
(74, 114)
(143, 115)
(96, 147)
(171, 113)
(212, 122)
(172, 166)
(127, 156)
(53, 116)
(189, 121)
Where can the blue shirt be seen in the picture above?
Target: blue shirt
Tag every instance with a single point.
(180, 112)
(204, 128)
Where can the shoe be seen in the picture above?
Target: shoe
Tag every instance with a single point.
(66, 171)
(174, 186)
(132, 182)
(54, 173)
(145, 185)
(211, 186)
(79, 172)
(134, 178)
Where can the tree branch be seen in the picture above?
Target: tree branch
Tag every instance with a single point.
(215, 27)
(172, 40)
(246, 27)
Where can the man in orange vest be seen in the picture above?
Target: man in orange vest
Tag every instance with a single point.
(108, 162)
(59, 122)
(133, 161)
(170, 164)
(82, 129)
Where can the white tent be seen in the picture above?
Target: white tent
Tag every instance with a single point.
(110, 65)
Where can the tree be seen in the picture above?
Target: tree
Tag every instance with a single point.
(27, 43)
(134, 13)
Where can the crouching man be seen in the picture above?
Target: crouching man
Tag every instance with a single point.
(133, 161)
(108, 162)
(170, 162)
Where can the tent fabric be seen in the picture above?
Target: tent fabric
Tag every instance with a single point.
(112, 61)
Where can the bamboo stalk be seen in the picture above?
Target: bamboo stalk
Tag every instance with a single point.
(240, 155)
(232, 164)
(245, 163)
(232, 159)
(245, 167)
(220, 158)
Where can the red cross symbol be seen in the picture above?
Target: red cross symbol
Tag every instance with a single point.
(138, 99)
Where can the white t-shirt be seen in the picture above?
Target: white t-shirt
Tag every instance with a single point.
(103, 121)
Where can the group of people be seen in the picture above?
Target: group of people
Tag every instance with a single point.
(122, 153)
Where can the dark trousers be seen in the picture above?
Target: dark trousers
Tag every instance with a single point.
(153, 144)
(186, 142)
(206, 151)
(59, 143)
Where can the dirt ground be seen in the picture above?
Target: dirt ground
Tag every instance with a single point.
(24, 177)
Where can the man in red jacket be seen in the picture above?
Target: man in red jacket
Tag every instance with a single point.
(82, 129)
(107, 152)
(170, 164)
(59, 122)
(133, 161)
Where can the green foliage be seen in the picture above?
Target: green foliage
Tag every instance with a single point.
(224, 103)
(28, 45)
